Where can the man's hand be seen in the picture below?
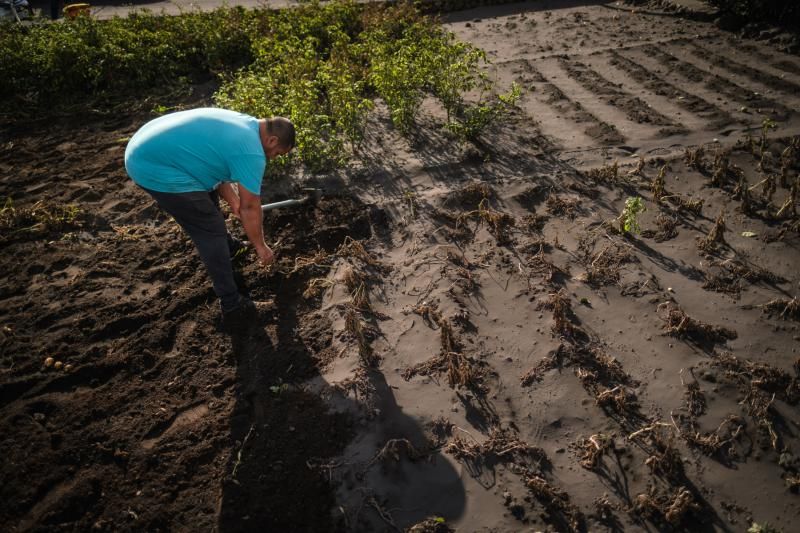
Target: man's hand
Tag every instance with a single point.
(265, 255)
(250, 214)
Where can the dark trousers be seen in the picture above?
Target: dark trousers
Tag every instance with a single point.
(199, 215)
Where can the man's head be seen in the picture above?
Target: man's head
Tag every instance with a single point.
(279, 137)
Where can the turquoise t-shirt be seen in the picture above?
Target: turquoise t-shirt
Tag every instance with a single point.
(197, 150)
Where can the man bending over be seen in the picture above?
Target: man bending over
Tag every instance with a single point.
(187, 160)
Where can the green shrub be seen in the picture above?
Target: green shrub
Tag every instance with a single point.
(783, 12)
(320, 65)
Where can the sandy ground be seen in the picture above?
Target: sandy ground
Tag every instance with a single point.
(500, 356)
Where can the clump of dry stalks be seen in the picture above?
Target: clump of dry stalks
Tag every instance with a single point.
(540, 265)
(616, 399)
(395, 450)
(361, 332)
(761, 384)
(638, 170)
(563, 325)
(555, 501)
(694, 398)
(590, 451)
(462, 371)
(353, 248)
(666, 228)
(719, 443)
(356, 284)
(695, 158)
(679, 324)
(673, 508)
(499, 223)
(722, 171)
(607, 173)
(503, 445)
(730, 273)
(742, 193)
(360, 386)
(658, 185)
(470, 195)
(605, 266)
(320, 258)
(559, 206)
(783, 307)
(716, 236)
(664, 459)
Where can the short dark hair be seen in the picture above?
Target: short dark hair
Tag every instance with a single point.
(283, 129)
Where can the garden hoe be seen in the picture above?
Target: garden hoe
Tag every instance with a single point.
(312, 197)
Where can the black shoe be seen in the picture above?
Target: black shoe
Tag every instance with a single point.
(237, 320)
(245, 316)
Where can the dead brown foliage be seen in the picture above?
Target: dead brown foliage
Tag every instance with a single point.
(783, 308)
(559, 206)
(716, 236)
(608, 174)
(555, 501)
(353, 248)
(502, 445)
(605, 266)
(590, 451)
(695, 158)
(558, 303)
(498, 223)
(359, 331)
(673, 508)
(679, 324)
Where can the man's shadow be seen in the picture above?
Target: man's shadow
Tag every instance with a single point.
(286, 440)
(401, 475)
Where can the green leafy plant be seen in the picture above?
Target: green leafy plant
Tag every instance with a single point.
(629, 219)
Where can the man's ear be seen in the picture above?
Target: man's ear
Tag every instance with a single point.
(272, 141)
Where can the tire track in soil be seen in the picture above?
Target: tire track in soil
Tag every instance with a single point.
(717, 84)
(757, 76)
(751, 53)
(716, 118)
(545, 103)
(635, 109)
(668, 107)
(587, 99)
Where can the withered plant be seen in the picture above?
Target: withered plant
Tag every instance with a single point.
(558, 206)
(784, 308)
(358, 330)
(695, 158)
(679, 324)
(590, 451)
(671, 508)
(608, 174)
(360, 386)
(658, 185)
(605, 266)
(555, 501)
(638, 170)
(353, 248)
(693, 397)
(355, 281)
(719, 443)
(316, 286)
(742, 193)
(558, 303)
(716, 236)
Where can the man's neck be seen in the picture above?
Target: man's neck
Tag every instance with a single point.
(262, 134)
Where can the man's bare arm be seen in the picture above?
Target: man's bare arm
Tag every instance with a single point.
(228, 193)
(252, 220)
